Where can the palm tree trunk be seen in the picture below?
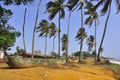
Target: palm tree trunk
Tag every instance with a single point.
(45, 45)
(59, 36)
(23, 29)
(53, 43)
(105, 28)
(80, 55)
(95, 39)
(33, 38)
(68, 37)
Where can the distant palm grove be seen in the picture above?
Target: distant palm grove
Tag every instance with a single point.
(91, 9)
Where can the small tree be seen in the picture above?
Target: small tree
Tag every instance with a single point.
(7, 38)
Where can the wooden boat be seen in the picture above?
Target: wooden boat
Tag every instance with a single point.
(19, 62)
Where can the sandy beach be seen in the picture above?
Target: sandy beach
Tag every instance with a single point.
(57, 72)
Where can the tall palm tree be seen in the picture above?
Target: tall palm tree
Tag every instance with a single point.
(64, 41)
(68, 28)
(23, 29)
(33, 38)
(53, 31)
(106, 8)
(53, 8)
(93, 17)
(74, 4)
(43, 28)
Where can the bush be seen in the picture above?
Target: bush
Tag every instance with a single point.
(84, 54)
(107, 62)
(53, 54)
(19, 50)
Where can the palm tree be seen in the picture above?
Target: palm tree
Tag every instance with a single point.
(92, 18)
(43, 28)
(53, 31)
(33, 38)
(23, 29)
(64, 41)
(106, 8)
(74, 4)
(53, 8)
(68, 28)
(81, 34)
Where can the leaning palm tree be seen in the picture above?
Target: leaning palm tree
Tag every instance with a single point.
(53, 31)
(23, 29)
(64, 41)
(81, 34)
(33, 37)
(93, 17)
(43, 29)
(53, 8)
(106, 8)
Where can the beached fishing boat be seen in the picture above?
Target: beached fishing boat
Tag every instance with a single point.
(20, 62)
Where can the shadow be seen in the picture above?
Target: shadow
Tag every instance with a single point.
(71, 65)
(90, 72)
(52, 66)
(5, 68)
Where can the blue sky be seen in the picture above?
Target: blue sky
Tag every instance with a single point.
(111, 43)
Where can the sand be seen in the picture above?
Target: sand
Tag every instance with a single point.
(72, 71)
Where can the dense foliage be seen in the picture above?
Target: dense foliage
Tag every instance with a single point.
(84, 54)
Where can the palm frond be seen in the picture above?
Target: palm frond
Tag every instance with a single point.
(72, 3)
(61, 1)
(62, 13)
(53, 30)
(105, 7)
(50, 4)
(81, 6)
(52, 13)
(118, 5)
(89, 20)
(98, 4)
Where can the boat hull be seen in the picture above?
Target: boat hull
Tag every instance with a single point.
(18, 62)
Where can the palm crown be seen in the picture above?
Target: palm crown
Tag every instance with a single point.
(81, 34)
(53, 7)
(43, 28)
